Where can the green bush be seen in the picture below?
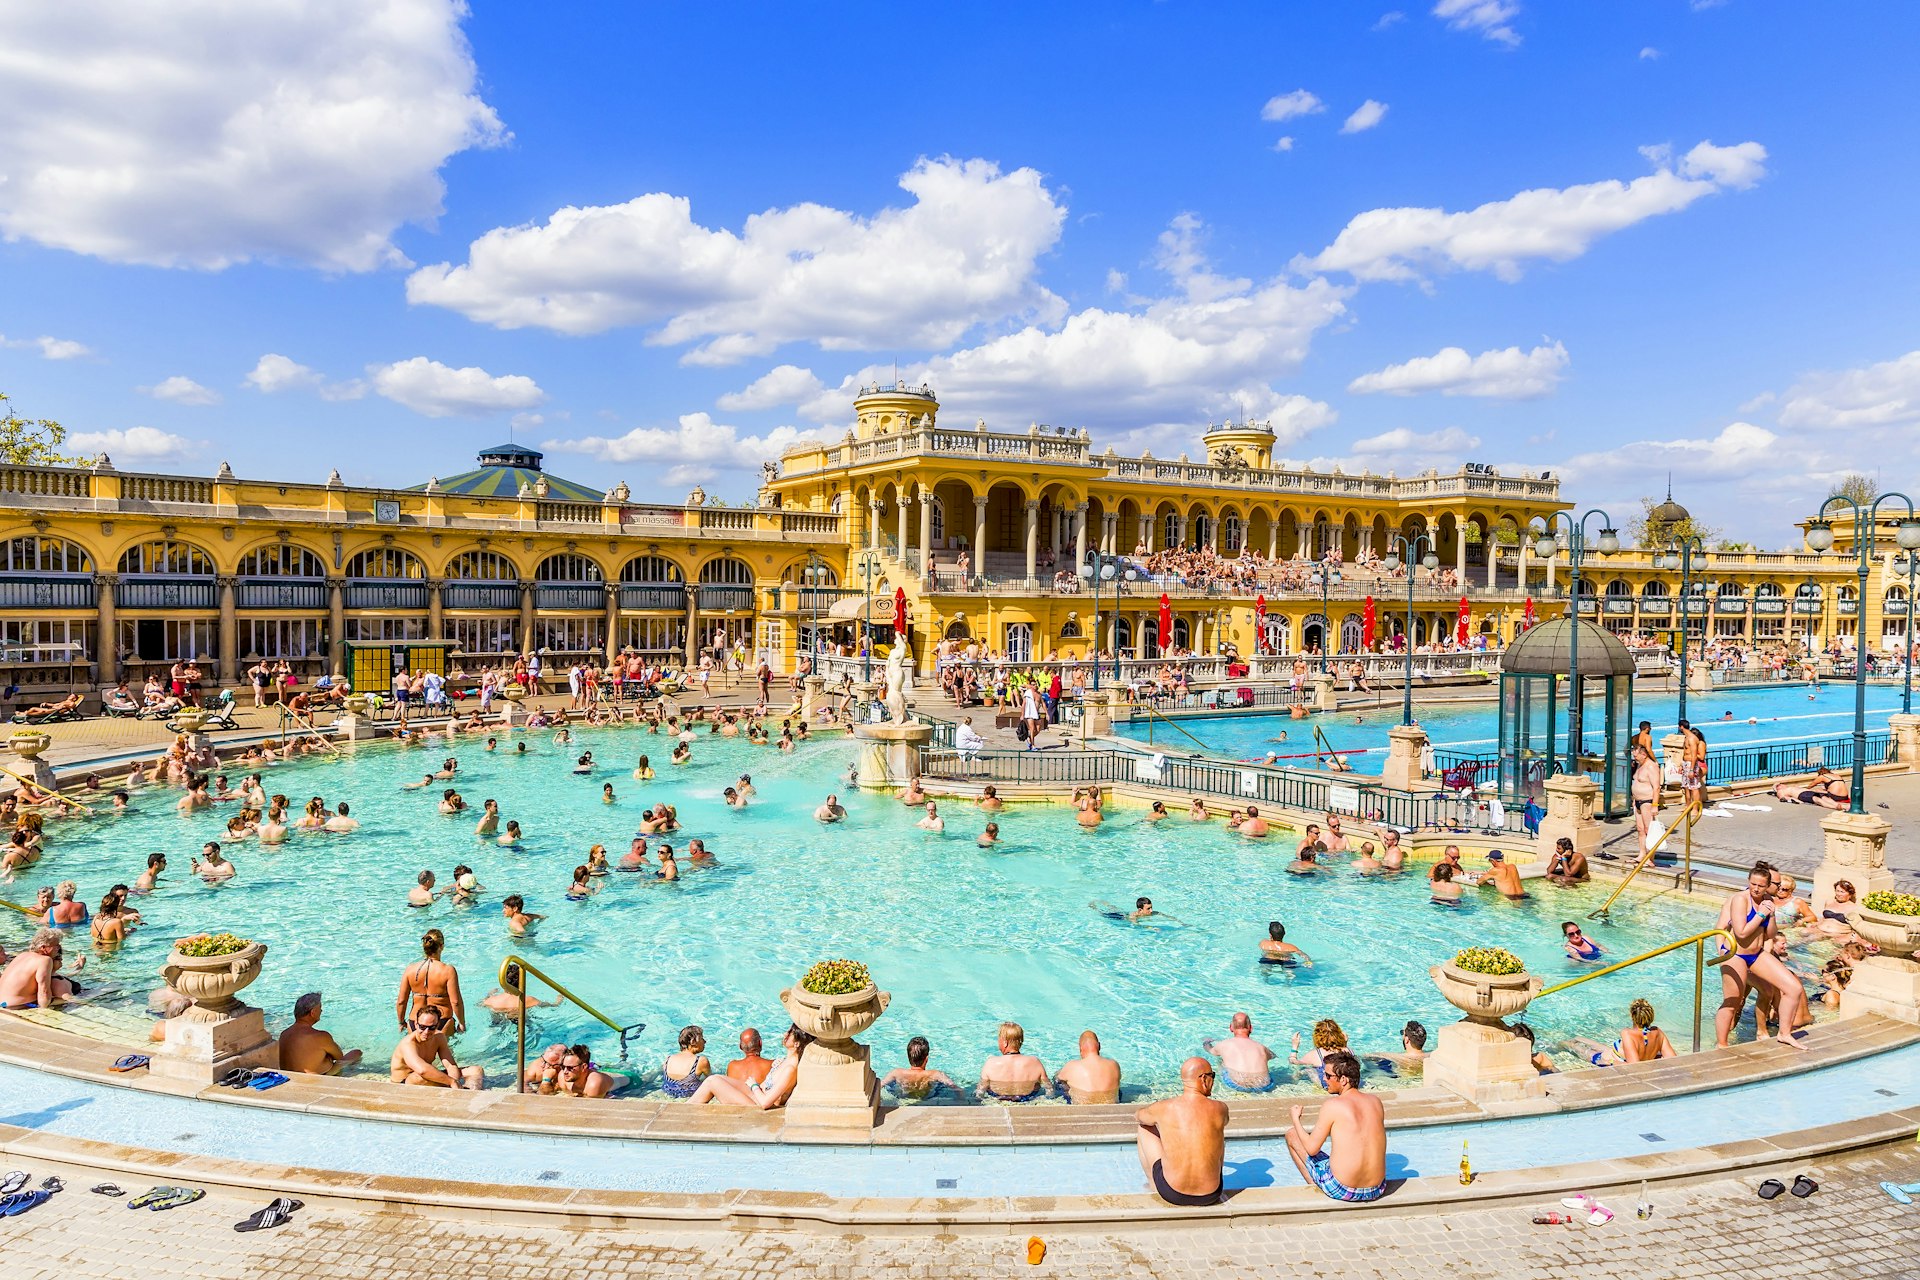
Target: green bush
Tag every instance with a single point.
(836, 978)
(1893, 904)
(1494, 962)
(204, 946)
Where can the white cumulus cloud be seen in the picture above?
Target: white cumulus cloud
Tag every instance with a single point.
(1738, 450)
(135, 444)
(1365, 116)
(439, 391)
(1546, 223)
(780, 385)
(1286, 106)
(274, 373)
(964, 253)
(695, 448)
(202, 133)
(1209, 347)
(49, 348)
(181, 389)
(1489, 18)
(1283, 143)
(1878, 395)
(1508, 374)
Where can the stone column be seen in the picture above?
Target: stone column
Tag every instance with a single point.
(1401, 770)
(979, 536)
(337, 625)
(1306, 542)
(1906, 737)
(435, 609)
(526, 617)
(692, 645)
(613, 620)
(1146, 528)
(926, 532)
(106, 627)
(1056, 530)
(900, 502)
(1570, 813)
(1079, 536)
(1460, 552)
(1213, 533)
(1273, 538)
(1180, 534)
(229, 662)
(874, 510)
(1323, 699)
(1673, 747)
(1553, 561)
(1492, 549)
(1483, 1061)
(1033, 535)
(1520, 564)
(1856, 851)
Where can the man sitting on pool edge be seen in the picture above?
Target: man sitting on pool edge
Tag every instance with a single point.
(1355, 1122)
(1182, 1141)
(425, 1044)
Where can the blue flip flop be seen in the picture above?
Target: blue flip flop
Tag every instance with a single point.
(1897, 1191)
(132, 1062)
(21, 1201)
(265, 1080)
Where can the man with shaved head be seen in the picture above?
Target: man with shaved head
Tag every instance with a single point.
(1183, 1140)
(1090, 1079)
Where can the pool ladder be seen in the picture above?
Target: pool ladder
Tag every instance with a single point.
(513, 981)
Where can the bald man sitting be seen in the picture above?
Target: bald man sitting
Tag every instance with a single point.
(1183, 1140)
(1090, 1079)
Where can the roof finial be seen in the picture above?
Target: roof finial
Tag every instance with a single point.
(1669, 486)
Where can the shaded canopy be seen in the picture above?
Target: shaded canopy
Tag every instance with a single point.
(1544, 650)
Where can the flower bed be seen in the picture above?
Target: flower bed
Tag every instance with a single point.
(836, 978)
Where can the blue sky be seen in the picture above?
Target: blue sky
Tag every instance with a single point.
(662, 241)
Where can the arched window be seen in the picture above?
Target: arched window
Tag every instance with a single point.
(1619, 589)
(482, 566)
(651, 569)
(282, 560)
(1070, 629)
(726, 571)
(1232, 533)
(164, 556)
(1807, 591)
(1654, 590)
(1122, 634)
(939, 519)
(1170, 531)
(1767, 591)
(567, 568)
(35, 554)
(386, 562)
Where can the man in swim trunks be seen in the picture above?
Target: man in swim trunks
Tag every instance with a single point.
(1012, 1075)
(1646, 794)
(1748, 916)
(1090, 1079)
(1255, 826)
(423, 1050)
(1502, 875)
(1183, 1141)
(830, 810)
(32, 979)
(1355, 1170)
(1243, 1058)
(1275, 949)
(1568, 866)
(306, 1048)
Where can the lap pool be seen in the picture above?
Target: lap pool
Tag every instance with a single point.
(962, 936)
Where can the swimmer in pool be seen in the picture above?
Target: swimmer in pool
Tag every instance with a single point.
(1275, 949)
(1197, 811)
(1367, 864)
(606, 793)
(635, 858)
(451, 803)
(682, 754)
(933, 821)
(669, 869)
(1255, 827)
(1142, 908)
(466, 887)
(643, 772)
(1157, 812)
(519, 919)
(511, 836)
(990, 837)
(990, 800)
(582, 887)
(830, 810)
(734, 799)
(422, 894)
(597, 860)
(745, 785)
(489, 818)
(427, 781)
(585, 763)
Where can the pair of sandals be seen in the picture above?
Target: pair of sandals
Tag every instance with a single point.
(160, 1199)
(1803, 1186)
(16, 1198)
(259, 1079)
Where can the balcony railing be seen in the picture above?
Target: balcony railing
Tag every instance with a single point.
(568, 512)
(640, 597)
(166, 489)
(497, 596)
(386, 593)
(282, 593)
(47, 591)
(138, 592)
(570, 595)
(714, 599)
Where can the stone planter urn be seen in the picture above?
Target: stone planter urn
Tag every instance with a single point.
(1889, 983)
(1485, 998)
(28, 744)
(213, 982)
(1898, 937)
(836, 1088)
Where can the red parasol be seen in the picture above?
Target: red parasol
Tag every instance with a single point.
(1460, 632)
(1526, 615)
(1367, 626)
(1166, 623)
(1260, 624)
(900, 609)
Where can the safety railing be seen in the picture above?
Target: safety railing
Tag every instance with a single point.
(1700, 962)
(513, 981)
(305, 722)
(1743, 763)
(1685, 826)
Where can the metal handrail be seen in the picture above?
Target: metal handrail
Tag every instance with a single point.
(1688, 818)
(286, 714)
(1154, 714)
(1697, 942)
(513, 981)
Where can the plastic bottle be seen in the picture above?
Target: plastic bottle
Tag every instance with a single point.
(1466, 1169)
(1552, 1219)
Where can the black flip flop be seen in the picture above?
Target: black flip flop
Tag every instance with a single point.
(1803, 1186)
(279, 1213)
(235, 1078)
(1771, 1189)
(108, 1189)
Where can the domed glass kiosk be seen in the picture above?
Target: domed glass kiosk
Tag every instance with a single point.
(1549, 726)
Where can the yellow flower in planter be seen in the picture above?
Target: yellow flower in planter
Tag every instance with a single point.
(1891, 903)
(1494, 962)
(836, 978)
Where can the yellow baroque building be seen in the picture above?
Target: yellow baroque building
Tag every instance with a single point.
(108, 573)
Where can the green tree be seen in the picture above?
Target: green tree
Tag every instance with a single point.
(1861, 489)
(31, 442)
(1646, 532)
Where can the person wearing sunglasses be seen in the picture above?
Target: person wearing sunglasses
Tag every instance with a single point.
(1182, 1141)
(424, 1056)
(1355, 1169)
(1579, 946)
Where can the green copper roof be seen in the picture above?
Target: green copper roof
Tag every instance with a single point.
(504, 468)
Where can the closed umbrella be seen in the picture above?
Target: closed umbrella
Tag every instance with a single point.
(1460, 632)
(1367, 626)
(1260, 624)
(1526, 616)
(1166, 623)
(900, 610)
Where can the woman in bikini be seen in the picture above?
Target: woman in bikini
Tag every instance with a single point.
(765, 1096)
(1579, 946)
(1643, 1041)
(1748, 916)
(431, 983)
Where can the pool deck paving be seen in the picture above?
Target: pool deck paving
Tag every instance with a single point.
(1703, 1231)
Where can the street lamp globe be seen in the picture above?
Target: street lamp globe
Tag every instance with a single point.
(1908, 534)
(1085, 572)
(1106, 572)
(1430, 561)
(1671, 560)
(1391, 562)
(1545, 545)
(1609, 541)
(1820, 535)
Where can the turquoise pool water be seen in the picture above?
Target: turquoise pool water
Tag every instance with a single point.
(1783, 713)
(962, 936)
(55, 1104)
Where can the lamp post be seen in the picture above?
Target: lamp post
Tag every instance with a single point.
(1680, 556)
(866, 621)
(1905, 562)
(1326, 577)
(1546, 545)
(1398, 544)
(1820, 538)
(1097, 569)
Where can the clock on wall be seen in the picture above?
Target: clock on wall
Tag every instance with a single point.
(386, 511)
